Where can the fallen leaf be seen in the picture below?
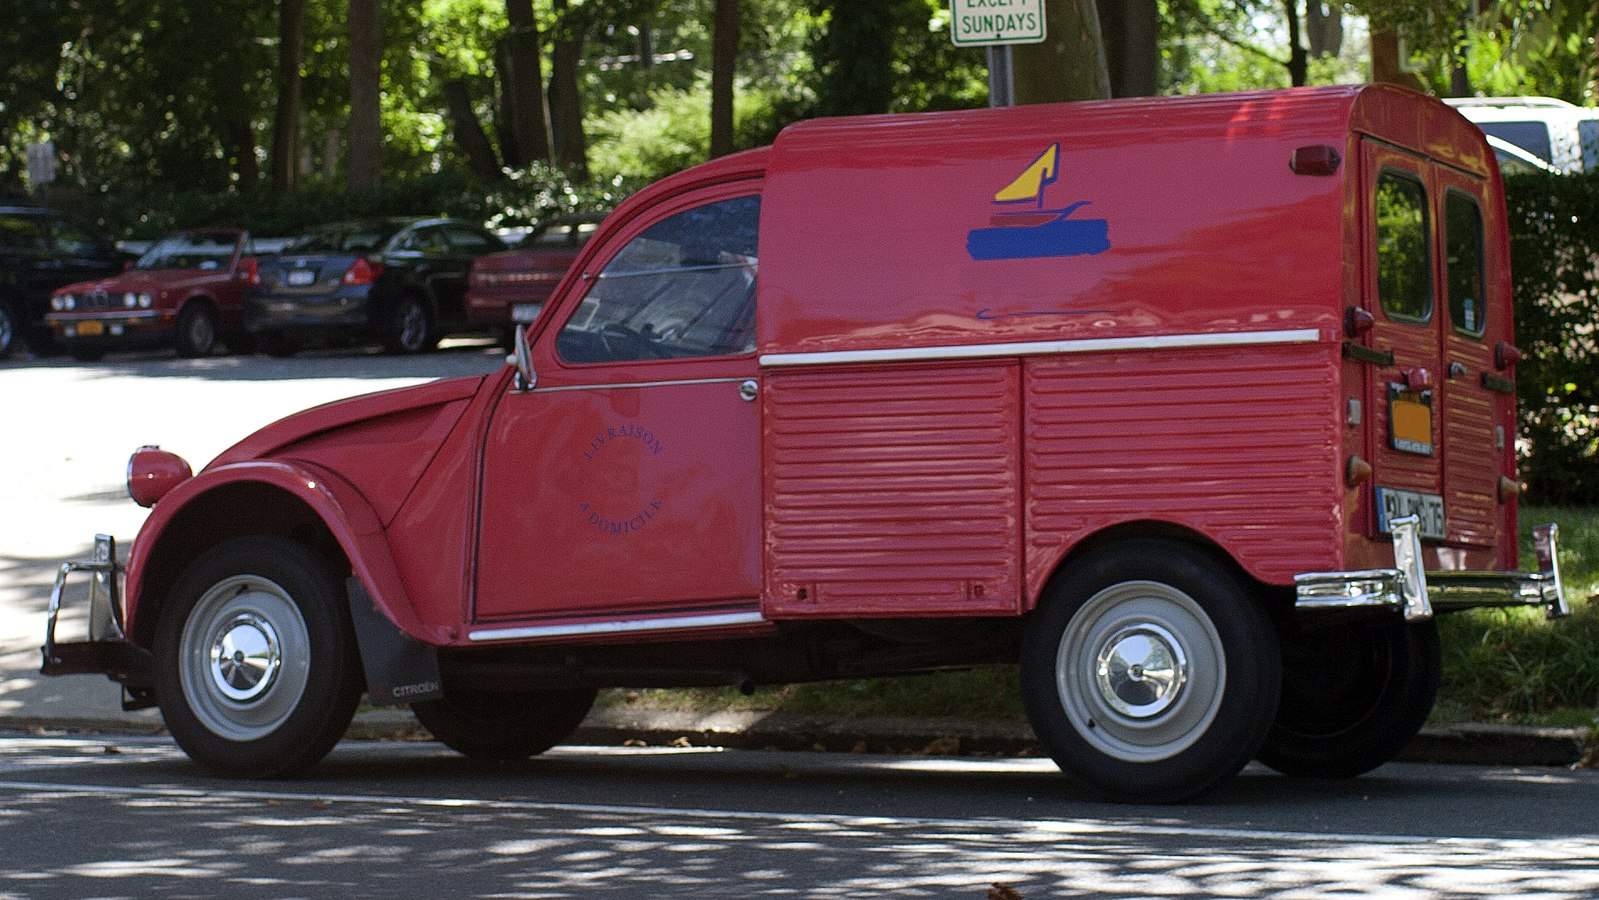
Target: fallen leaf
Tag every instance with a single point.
(998, 891)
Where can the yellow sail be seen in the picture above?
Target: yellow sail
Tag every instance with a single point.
(1030, 184)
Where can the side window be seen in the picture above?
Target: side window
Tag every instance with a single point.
(1588, 136)
(75, 241)
(1464, 263)
(21, 233)
(429, 240)
(470, 242)
(1404, 282)
(685, 287)
(1532, 137)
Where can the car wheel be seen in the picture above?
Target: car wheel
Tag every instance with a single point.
(197, 330)
(274, 344)
(410, 327)
(257, 672)
(1150, 672)
(1353, 696)
(504, 726)
(87, 355)
(240, 342)
(8, 331)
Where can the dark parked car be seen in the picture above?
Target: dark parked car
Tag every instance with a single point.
(510, 288)
(184, 292)
(41, 250)
(398, 281)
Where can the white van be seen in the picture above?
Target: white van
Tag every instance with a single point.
(1562, 135)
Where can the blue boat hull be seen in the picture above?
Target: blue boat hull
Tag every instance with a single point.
(1058, 237)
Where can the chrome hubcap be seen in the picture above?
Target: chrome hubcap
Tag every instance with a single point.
(1141, 670)
(246, 658)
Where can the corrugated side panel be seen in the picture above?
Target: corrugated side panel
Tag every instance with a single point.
(1473, 466)
(893, 492)
(1242, 445)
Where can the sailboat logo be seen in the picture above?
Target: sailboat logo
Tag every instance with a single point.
(1021, 228)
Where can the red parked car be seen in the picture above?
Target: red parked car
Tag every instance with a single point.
(186, 292)
(506, 289)
(1196, 409)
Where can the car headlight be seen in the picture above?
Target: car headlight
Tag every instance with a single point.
(130, 300)
(145, 300)
(62, 302)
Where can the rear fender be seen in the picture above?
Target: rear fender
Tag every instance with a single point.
(294, 499)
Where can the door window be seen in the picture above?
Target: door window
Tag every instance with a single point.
(74, 241)
(1464, 263)
(1404, 281)
(684, 287)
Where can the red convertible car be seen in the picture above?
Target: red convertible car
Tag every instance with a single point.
(186, 292)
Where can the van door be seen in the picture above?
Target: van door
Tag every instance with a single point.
(1405, 395)
(1478, 400)
(627, 482)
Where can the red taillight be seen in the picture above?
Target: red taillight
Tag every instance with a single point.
(362, 271)
(249, 270)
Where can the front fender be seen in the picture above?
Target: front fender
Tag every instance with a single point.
(264, 497)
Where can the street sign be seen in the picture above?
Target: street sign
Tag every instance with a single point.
(978, 23)
(41, 163)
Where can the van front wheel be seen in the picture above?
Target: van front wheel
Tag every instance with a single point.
(1150, 672)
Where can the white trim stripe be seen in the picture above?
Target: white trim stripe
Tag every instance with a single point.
(636, 384)
(618, 626)
(1045, 348)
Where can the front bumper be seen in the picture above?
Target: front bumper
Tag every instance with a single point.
(111, 328)
(107, 651)
(1409, 589)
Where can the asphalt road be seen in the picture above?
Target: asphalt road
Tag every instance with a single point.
(130, 817)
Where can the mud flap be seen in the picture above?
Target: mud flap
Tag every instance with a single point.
(400, 670)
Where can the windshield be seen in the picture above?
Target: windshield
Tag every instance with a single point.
(189, 251)
(350, 237)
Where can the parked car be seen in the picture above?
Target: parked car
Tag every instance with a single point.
(398, 281)
(41, 250)
(506, 290)
(1561, 134)
(1039, 386)
(186, 291)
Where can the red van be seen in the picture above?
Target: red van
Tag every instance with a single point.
(1198, 409)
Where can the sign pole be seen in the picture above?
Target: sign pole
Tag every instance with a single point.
(1001, 80)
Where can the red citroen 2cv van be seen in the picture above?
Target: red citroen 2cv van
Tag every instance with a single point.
(1198, 409)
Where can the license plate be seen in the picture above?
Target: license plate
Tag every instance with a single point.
(90, 328)
(1410, 420)
(300, 277)
(523, 313)
(1393, 503)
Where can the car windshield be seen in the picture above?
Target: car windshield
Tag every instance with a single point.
(189, 251)
(21, 233)
(350, 237)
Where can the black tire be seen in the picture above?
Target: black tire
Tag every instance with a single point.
(410, 327)
(1150, 671)
(504, 726)
(88, 354)
(1353, 696)
(197, 330)
(240, 342)
(276, 345)
(8, 330)
(282, 698)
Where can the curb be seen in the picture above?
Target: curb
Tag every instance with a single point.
(1473, 744)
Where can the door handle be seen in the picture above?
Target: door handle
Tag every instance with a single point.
(749, 390)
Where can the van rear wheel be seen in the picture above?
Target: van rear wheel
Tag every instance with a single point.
(504, 726)
(1150, 672)
(1353, 697)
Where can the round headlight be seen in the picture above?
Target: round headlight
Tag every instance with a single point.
(130, 300)
(59, 303)
(152, 472)
(145, 300)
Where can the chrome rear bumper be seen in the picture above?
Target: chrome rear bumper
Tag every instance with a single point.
(107, 651)
(1409, 589)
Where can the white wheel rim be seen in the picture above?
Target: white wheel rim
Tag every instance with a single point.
(1140, 671)
(244, 660)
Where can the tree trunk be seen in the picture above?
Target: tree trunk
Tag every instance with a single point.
(286, 121)
(469, 131)
(1324, 28)
(571, 144)
(724, 60)
(365, 161)
(1070, 64)
(1298, 61)
(524, 86)
(1385, 62)
(1131, 33)
(856, 56)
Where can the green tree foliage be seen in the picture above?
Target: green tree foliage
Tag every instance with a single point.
(1554, 227)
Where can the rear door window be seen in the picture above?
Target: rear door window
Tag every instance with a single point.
(1464, 263)
(1404, 265)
